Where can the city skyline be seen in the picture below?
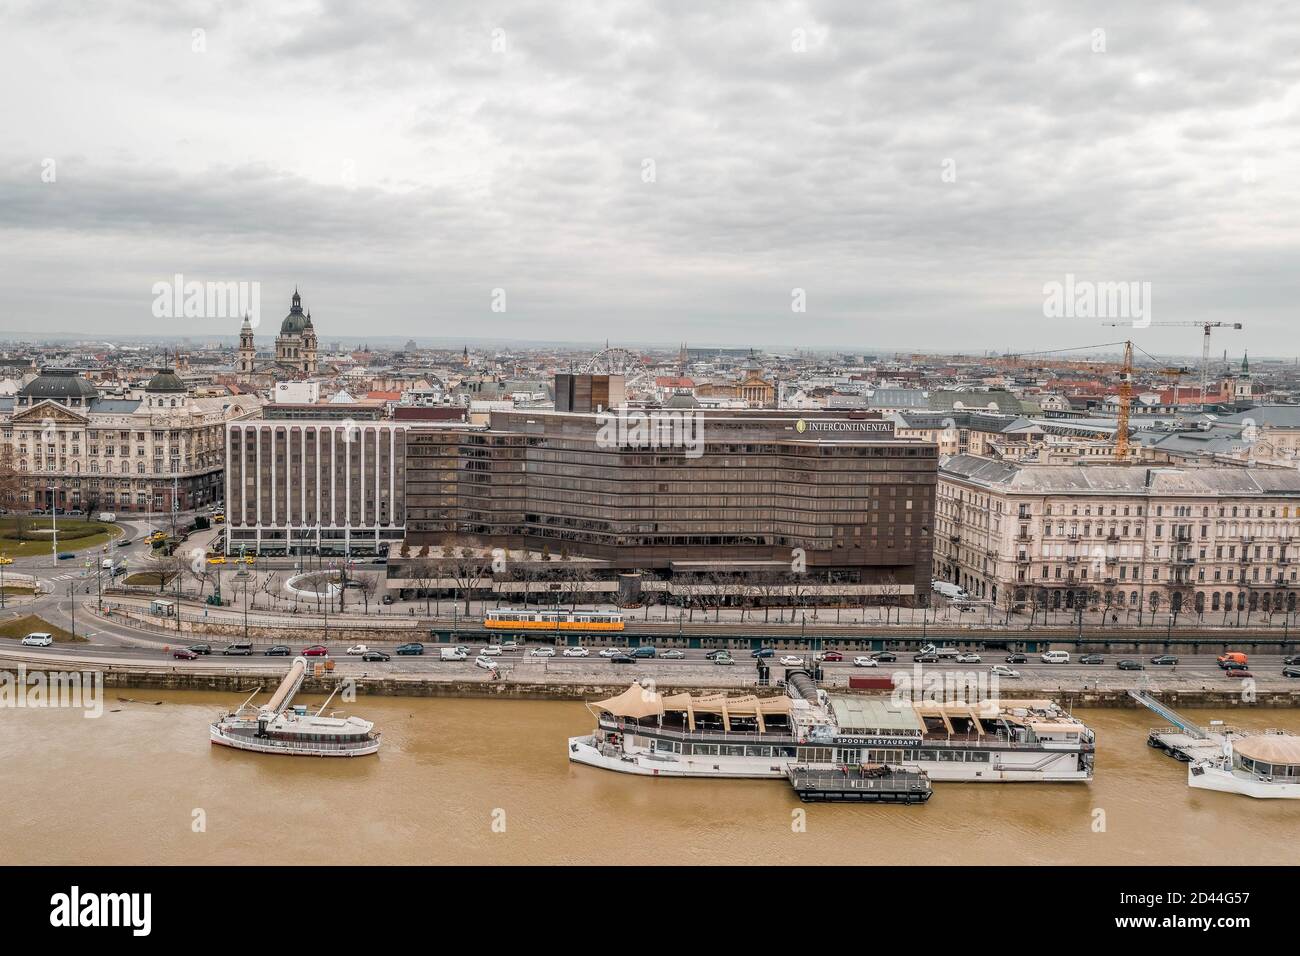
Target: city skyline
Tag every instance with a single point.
(609, 173)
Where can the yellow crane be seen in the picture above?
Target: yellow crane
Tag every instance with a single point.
(1125, 399)
(1205, 343)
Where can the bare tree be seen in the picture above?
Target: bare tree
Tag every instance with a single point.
(466, 569)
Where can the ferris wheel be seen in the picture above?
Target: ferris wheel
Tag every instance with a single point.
(616, 361)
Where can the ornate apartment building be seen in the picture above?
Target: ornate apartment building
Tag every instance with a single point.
(68, 446)
(1195, 541)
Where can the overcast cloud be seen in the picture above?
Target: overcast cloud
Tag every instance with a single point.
(400, 161)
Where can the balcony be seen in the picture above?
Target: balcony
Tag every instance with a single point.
(1112, 537)
(1073, 537)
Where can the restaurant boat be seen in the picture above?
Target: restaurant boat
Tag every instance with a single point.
(643, 732)
(279, 727)
(1264, 766)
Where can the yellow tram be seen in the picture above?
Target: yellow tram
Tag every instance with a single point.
(552, 620)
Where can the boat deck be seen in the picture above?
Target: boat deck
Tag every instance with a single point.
(859, 784)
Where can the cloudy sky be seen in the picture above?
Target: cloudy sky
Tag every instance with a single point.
(655, 172)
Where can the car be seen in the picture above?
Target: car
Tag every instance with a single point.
(1238, 672)
(1291, 670)
(414, 647)
(967, 659)
(864, 662)
(387, 599)
(492, 650)
(357, 649)
(712, 654)
(487, 663)
(124, 542)
(929, 657)
(510, 645)
(1233, 666)
(672, 655)
(66, 555)
(238, 649)
(885, 657)
(645, 650)
(723, 659)
(201, 648)
(1165, 659)
(789, 660)
(832, 656)
(611, 651)
(278, 650)
(372, 656)
(1092, 659)
(1016, 659)
(184, 654)
(542, 652)
(762, 652)
(1129, 665)
(316, 650)
(622, 659)
(1293, 659)
(216, 559)
(576, 652)
(1002, 670)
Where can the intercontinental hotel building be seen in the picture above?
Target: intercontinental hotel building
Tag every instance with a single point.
(825, 507)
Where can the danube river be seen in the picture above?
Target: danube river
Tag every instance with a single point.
(471, 781)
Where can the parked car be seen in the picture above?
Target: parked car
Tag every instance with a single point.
(357, 649)
(576, 652)
(1092, 659)
(864, 662)
(929, 657)
(1017, 659)
(1002, 670)
(646, 651)
(1164, 659)
(832, 656)
(414, 647)
(967, 659)
(672, 654)
(238, 649)
(373, 656)
(789, 660)
(201, 648)
(542, 652)
(1129, 665)
(723, 659)
(1293, 659)
(184, 654)
(611, 651)
(1291, 670)
(316, 650)
(885, 657)
(762, 652)
(38, 639)
(387, 599)
(279, 650)
(487, 663)
(622, 659)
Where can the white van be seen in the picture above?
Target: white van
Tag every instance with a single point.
(1056, 657)
(453, 654)
(38, 639)
(107, 516)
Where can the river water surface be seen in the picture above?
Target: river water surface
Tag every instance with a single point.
(476, 781)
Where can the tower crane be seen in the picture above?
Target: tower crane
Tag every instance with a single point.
(1125, 400)
(1205, 344)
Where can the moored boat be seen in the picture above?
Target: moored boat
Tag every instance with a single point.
(280, 727)
(1265, 766)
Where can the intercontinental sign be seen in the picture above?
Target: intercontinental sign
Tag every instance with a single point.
(803, 425)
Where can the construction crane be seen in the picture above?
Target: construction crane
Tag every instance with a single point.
(1125, 399)
(1205, 344)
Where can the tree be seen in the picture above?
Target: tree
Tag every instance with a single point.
(466, 569)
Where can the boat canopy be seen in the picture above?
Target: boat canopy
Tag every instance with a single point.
(637, 702)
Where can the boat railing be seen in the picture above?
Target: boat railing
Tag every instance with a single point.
(302, 744)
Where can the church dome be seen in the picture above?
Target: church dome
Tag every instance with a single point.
(166, 381)
(295, 322)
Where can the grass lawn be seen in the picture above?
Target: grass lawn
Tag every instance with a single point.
(149, 578)
(74, 535)
(18, 589)
(20, 627)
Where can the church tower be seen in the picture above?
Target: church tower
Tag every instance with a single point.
(309, 347)
(247, 353)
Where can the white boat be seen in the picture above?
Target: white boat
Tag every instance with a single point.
(1265, 766)
(279, 727)
(643, 732)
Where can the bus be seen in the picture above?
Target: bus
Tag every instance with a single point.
(553, 620)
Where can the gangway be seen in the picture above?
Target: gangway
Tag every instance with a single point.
(284, 694)
(1178, 720)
